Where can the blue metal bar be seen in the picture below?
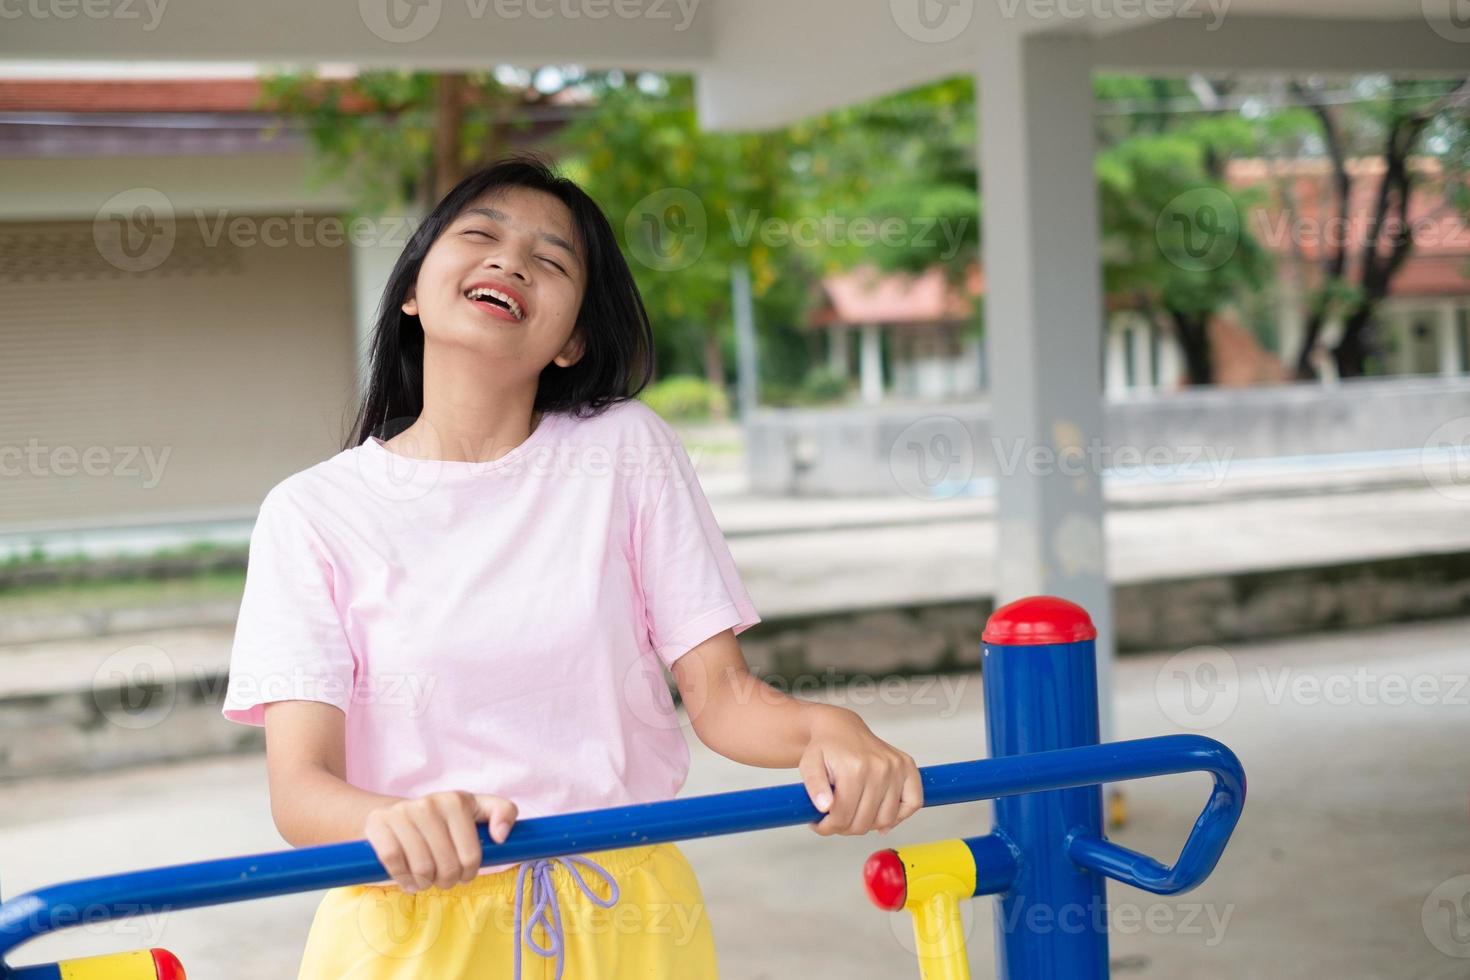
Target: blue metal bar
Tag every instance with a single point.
(216, 882)
(997, 860)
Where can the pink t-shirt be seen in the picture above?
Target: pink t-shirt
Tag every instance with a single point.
(493, 627)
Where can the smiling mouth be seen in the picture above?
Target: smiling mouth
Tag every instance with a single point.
(494, 301)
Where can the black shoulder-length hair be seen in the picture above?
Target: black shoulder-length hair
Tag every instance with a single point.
(617, 359)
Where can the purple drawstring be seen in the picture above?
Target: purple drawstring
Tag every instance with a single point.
(543, 898)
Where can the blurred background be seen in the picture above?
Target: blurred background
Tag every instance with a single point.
(1162, 308)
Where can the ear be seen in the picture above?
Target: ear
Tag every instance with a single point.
(572, 352)
(410, 305)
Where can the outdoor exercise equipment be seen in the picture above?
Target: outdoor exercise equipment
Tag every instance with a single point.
(1046, 858)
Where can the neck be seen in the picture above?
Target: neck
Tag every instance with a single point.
(469, 417)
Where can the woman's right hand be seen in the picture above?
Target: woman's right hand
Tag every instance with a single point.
(433, 839)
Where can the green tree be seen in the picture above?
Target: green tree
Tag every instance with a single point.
(1421, 130)
(687, 205)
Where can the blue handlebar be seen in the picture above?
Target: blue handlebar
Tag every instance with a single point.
(215, 882)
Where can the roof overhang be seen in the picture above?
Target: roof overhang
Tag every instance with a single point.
(760, 63)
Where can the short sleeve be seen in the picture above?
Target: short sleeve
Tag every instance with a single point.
(289, 640)
(691, 588)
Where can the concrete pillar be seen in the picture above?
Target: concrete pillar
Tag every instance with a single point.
(970, 374)
(373, 257)
(1143, 355)
(1449, 340)
(1116, 363)
(1171, 362)
(837, 350)
(1044, 309)
(871, 363)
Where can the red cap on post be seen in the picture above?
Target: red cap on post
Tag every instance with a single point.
(166, 965)
(885, 880)
(1038, 620)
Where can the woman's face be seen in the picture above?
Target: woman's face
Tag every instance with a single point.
(519, 242)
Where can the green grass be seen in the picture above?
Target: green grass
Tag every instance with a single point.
(121, 593)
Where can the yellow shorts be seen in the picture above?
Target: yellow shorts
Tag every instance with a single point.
(656, 928)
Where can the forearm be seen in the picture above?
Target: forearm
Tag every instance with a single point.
(312, 806)
(748, 721)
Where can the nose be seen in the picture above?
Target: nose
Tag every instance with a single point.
(507, 265)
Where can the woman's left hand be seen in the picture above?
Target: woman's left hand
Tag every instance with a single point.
(859, 780)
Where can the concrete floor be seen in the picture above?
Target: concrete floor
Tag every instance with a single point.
(1344, 864)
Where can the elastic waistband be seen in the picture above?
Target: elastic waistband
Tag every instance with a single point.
(503, 882)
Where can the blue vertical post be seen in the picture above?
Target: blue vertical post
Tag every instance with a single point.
(1039, 665)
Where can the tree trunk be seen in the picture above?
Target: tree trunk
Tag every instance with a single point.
(1193, 333)
(1351, 353)
(1305, 369)
(448, 120)
(714, 358)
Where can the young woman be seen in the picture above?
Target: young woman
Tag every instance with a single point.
(463, 621)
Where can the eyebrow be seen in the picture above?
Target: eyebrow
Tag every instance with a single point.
(501, 216)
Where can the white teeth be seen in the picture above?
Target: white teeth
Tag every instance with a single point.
(483, 291)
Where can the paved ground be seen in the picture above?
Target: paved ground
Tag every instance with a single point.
(1344, 866)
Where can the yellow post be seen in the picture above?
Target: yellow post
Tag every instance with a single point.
(929, 881)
